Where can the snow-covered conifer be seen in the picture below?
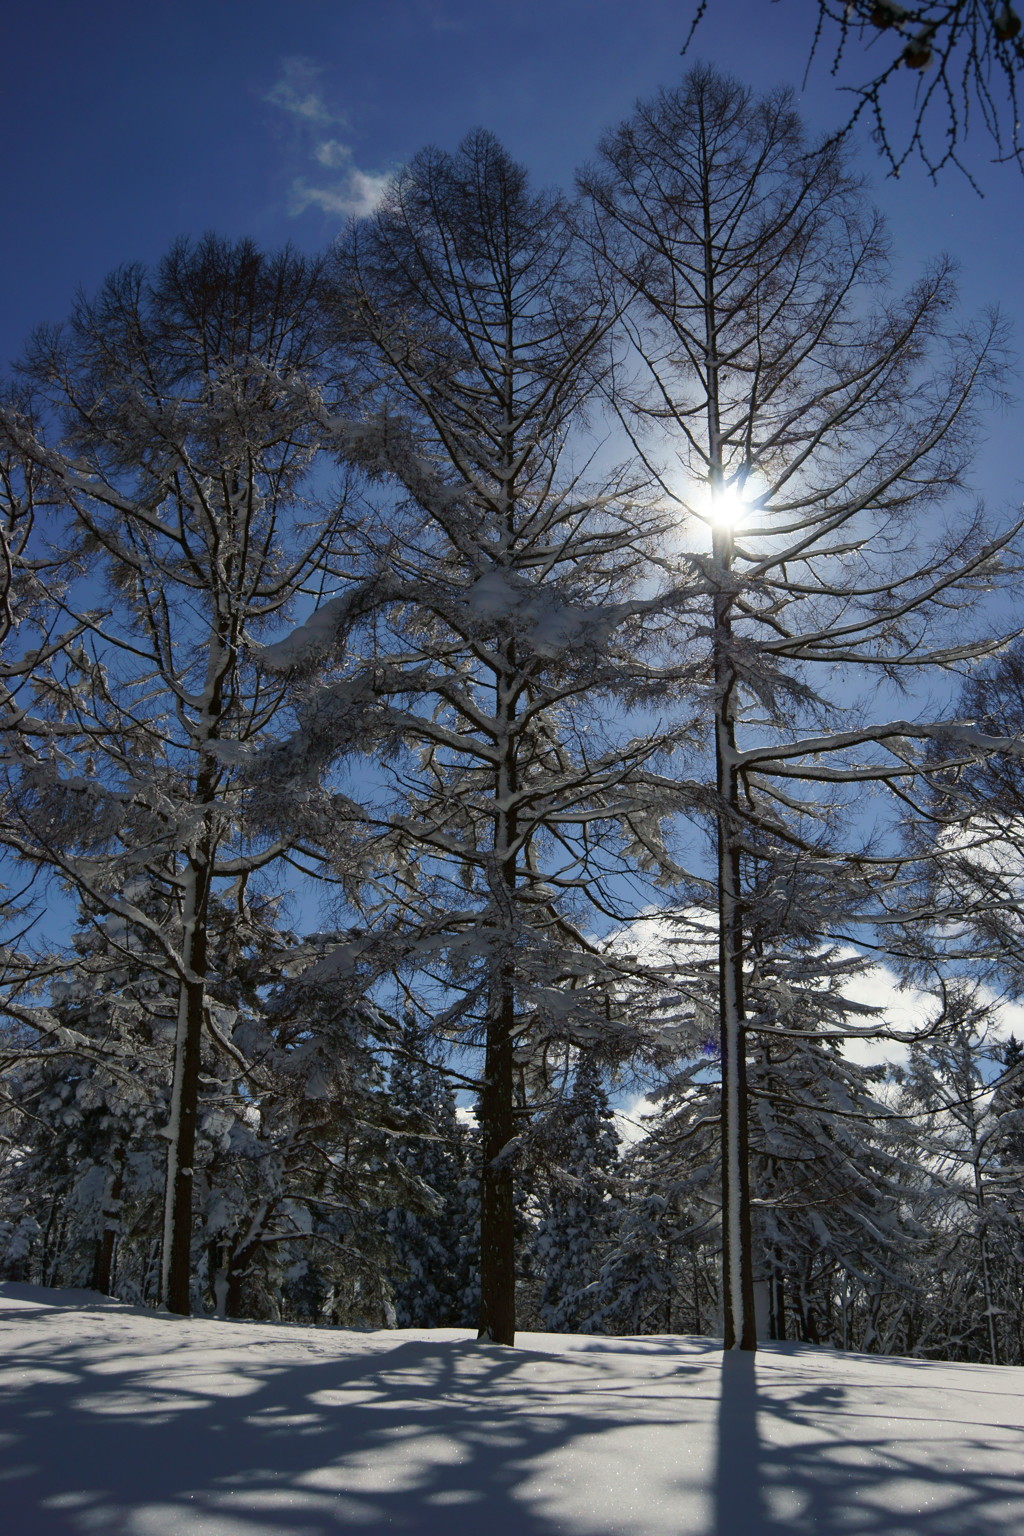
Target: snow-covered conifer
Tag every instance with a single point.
(974, 1265)
(499, 619)
(167, 426)
(811, 422)
(576, 1205)
(434, 1249)
(293, 1157)
(968, 832)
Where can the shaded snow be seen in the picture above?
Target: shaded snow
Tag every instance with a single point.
(118, 1420)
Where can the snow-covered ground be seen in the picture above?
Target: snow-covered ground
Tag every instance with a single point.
(116, 1420)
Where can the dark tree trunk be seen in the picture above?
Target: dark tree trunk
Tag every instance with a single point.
(178, 1224)
(497, 1182)
(778, 1295)
(177, 1259)
(497, 1101)
(739, 1326)
(103, 1264)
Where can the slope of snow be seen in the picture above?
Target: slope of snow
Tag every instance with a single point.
(118, 1420)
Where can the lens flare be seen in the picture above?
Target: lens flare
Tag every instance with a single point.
(727, 506)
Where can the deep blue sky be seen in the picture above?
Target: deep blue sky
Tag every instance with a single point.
(125, 123)
(128, 122)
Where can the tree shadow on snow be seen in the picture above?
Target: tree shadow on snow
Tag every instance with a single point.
(799, 1456)
(424, 1437)
(235, 1433)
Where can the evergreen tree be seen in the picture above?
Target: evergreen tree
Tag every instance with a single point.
(661, 1269)
(292, 1157)
(969, 833)
(947, 1083)
(1006, 1198)
(434, 1281)
(576, 1210)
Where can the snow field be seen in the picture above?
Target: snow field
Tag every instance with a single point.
(118, 1420)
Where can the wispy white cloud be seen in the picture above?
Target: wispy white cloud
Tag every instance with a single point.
(332, 154)
(354, 194)
(347, 191)
(298, 91)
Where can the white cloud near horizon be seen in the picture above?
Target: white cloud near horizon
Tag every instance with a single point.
(656, 939)
(347, 191)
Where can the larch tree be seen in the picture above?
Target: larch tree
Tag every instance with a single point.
(165, 428)
(33, 629)
(499, 618)
(806, 419)
(19, 484)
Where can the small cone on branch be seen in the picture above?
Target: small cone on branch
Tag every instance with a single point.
(1006, 24)
(886, 13)
(918, 52)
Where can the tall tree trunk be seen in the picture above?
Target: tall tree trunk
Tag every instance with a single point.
(738, 1320)
(739, 1327)
(497, 1183)
(103, 1264)
(497, 1101)
(986, 1273)
(176, 1273)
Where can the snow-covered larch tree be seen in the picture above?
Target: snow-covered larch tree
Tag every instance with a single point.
(809, 419)
(32, 629)
(18, 485)
(504, 619)
(178, 461)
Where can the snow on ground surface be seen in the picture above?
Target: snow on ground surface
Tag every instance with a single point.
(119, 1420)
